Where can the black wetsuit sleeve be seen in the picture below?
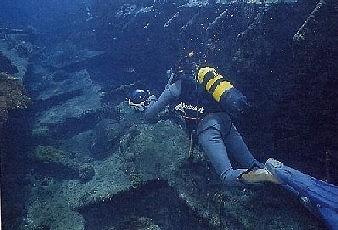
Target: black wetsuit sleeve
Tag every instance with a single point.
(170, 93)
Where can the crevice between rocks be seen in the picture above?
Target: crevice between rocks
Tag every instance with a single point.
(152, 205)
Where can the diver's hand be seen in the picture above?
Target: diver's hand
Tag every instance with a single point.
(150, 101)
(144, 104)
(139, 107)
(151, 98)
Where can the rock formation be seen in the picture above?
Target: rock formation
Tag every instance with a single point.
(84, 154)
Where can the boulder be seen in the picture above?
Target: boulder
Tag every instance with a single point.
(107, 137)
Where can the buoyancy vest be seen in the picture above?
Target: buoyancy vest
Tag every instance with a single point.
(194, 102)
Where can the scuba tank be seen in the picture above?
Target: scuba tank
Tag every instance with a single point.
(222, 91)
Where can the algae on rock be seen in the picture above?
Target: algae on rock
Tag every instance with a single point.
(56, 157)
(12, 96)
(158, 150)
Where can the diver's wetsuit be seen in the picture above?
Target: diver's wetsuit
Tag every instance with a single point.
(217, 135)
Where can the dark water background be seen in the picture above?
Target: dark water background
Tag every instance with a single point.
(291, 85)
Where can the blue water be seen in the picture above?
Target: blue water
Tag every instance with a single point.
(77, 156)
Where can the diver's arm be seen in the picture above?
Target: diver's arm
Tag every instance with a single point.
(168, 95)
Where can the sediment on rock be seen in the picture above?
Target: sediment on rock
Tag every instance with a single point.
(103, 152)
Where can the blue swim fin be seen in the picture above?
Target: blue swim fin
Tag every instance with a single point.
(320, 197)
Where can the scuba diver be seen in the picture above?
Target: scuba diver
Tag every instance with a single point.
(206, 103)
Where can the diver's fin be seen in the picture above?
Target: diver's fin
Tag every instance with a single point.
(318, 196)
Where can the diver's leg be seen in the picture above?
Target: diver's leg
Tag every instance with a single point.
(240, 152)
(238, 149)
(212, 143)
(213, 146)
